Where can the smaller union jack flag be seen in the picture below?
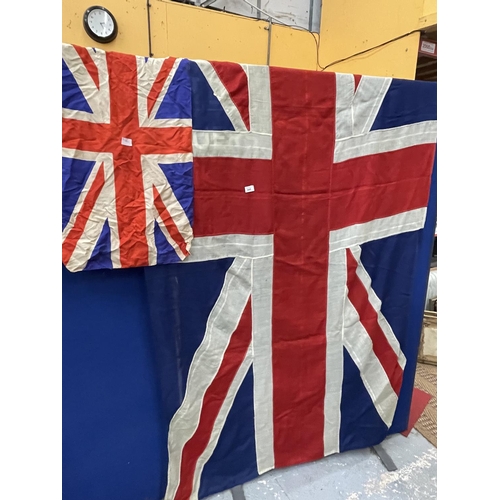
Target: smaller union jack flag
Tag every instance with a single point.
(127, 160)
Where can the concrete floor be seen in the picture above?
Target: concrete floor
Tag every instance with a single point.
(353, 475)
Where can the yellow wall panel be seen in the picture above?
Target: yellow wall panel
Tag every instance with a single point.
(347, 27)
(292, 48)
(198, 33)
(429, 7)
(131, 17)
(398, 60)
(158, 21)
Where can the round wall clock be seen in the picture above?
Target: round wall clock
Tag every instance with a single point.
(100, 24)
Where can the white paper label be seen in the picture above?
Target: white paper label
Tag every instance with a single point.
(249, 189)
(428, 47)
(126, 142)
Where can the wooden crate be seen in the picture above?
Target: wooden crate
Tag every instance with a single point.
(427, 352)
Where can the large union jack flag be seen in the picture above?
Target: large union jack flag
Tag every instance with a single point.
(289, 333)
(295, 174)
(127, 160)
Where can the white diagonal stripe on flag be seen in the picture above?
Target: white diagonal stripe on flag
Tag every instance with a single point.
(147, 72)
(367, 100)
(241, 143)
(222, 95)
(97, 98)
(377, 305)
(260, 250)
(154, 176)
(222, 322)
(360, 347)
(357, 108)
(103, 210)
(220, 421)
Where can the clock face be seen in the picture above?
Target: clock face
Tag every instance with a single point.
(101, 23)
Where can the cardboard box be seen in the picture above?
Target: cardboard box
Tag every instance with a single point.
(427, 352)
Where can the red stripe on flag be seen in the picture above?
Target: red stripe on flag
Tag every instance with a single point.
(235, 80)
(169, 222)
(163, 141)
(85, 136)
(213, 400)
(83, 216)
(236, 212)
(381, 185)
(358, 295)
(129, 186)
(357, 79)
(159, 82)
(89, 63)
(303, 111)
(99, 137)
